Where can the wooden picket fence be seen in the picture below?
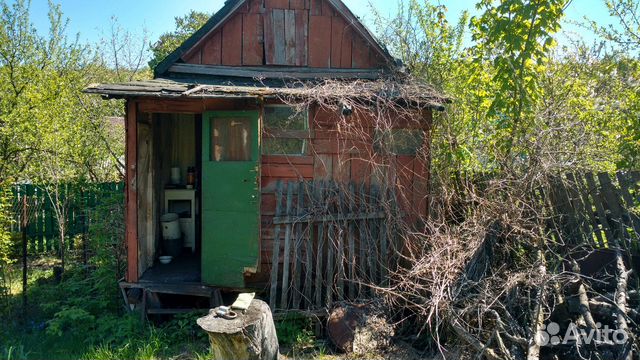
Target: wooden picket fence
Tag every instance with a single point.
(328, 240)
(594, 209)
(42, 228)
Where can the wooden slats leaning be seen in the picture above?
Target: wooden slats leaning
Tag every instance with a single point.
(594, 209)
(338, 238)
(333, 243)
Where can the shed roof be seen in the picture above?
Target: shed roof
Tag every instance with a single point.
(416, 95)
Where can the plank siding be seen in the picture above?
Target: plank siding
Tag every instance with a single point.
(274, 35)
(276, 4)
(232, 42)
(302, 36)
(337, 36)
(252, 40)
(290, 37)
(212, 50)
(305, 33)
(298, 4)
(320, 41)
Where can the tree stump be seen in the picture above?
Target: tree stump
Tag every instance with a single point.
(250, 336)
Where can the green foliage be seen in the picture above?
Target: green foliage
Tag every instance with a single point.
(296, 333)
(516, 37)
(168, 42)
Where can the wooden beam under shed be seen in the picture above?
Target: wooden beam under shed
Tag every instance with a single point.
(131, 209)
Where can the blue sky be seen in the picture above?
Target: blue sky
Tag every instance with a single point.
(91, 19)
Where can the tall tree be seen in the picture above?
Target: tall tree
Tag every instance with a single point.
(168, 42)
(516, 37)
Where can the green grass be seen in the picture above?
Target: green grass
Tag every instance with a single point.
(83, 317)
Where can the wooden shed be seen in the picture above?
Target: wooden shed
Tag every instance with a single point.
(271, 196)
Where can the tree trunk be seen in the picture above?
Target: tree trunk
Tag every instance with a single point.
(250, 336)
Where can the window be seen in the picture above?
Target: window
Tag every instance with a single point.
(231, 139)
(399, 141)
(286, 130)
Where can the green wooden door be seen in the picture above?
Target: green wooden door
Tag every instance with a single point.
(230, 196)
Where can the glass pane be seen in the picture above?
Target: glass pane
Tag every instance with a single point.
(284, 118)
(231, 139)
(273, 146)
(399, 141)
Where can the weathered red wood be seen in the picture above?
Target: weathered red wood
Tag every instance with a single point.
(315, 7)
(287, 171)
(404, 173)
(323, 167)
(212, 49)
(342, 168)
(193, 106)
(298, 4)
(256, 7)
(320, 41)
(420, 187)
(283, 159)
(268, 204)
(274, 37)
(232, 42)
(252, 39)
(290, 37)
(327, 9)
(347, 42)
(360, 170)
(337, 34)
(131, 224)
(193, 57)
(244, 8)
(360, 54)
(302, 36)
(324, 146)
(276, 4)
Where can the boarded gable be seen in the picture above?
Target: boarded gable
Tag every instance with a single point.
(301, 33)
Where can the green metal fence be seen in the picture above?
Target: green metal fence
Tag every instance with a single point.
(77, 201)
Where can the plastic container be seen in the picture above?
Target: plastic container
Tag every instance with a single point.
(171, 234)
(170, 226)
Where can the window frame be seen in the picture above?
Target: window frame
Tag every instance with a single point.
(306, 134)
(380, 139)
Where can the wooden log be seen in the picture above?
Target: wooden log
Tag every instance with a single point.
(250, 336)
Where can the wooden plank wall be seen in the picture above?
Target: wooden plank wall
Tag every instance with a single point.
(345, 157)
(286, 32)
